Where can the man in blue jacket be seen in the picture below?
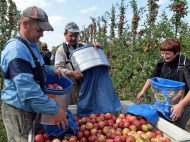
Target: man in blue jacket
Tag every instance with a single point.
(22, 96)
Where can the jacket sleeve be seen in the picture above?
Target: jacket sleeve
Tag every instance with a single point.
(30, 92)
(49, 69)
(60, 61)
(157, 70)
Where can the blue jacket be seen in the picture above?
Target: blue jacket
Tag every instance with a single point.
(21, 88)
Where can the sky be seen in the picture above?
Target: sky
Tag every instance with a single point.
(61, 12)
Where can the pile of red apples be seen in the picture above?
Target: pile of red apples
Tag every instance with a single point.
(108, 128)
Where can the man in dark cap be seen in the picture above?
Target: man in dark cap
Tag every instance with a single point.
(46, 54)
(23, 96)
(62, 58)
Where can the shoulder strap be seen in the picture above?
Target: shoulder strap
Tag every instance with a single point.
(181, 64)
(65, 48)
(37, 63)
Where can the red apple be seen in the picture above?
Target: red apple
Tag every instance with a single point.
(50, 86)
(101, 138)
(144, 128)
(121, 124)
(79, 134)
(112, 135)
(114, 118)
(105, 130)
(126, 124)
(59, 87)
(133, 117)
(158, 132)
(83, 139)
(112, 130)
(145, 137)
(115, 125)
(93, 131)
(83, 120)
(117, 139)
(92, 138)
(72, 139)
(118, 133)
(136, 122)
(123, 138)
(122, 116)
(63, 140)
(98, 119)
(82, 127)
(101, 124)
(109, 140)
(150, 134)
(133, 127)
(55, 85)
(92, 116)
(108, 116)
(39, 138)
(96, 125)
(130, 138)
(89, 125)
(150, 126)
(46, 136)
(143, 121)
(125, 131)
(56, 140)
(86, 133)
(110, 122)
(118, 120)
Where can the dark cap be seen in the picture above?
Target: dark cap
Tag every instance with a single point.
(72, 27)
(40, 16)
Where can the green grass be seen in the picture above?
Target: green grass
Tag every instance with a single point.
(3, 137)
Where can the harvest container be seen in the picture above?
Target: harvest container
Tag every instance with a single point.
(175, 133)
(61, 96)
(166, 93)
(87, 56)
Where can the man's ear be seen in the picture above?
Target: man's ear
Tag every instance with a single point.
(24, 23)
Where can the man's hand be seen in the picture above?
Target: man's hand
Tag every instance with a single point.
(59, 73)
(77, 74)
(97, 44)
(60, 118)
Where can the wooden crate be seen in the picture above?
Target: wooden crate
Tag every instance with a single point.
(175, 133)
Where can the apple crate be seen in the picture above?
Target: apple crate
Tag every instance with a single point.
(175, 133)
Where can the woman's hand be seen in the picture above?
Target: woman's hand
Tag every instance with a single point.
(139, 95)
(176, 111)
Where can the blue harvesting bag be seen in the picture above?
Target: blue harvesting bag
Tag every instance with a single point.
(97, 94)
(145, 110)
(70, 130)
(166, 94)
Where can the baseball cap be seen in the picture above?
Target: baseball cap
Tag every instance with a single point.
(72, 27)
(40, 16)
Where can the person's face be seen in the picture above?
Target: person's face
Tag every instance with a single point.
(33, 32)
(71, 38)
(168, 56)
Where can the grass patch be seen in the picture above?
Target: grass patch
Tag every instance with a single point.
(3, 136)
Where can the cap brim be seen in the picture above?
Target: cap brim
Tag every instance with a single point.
(74, 30)
(45, 26)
